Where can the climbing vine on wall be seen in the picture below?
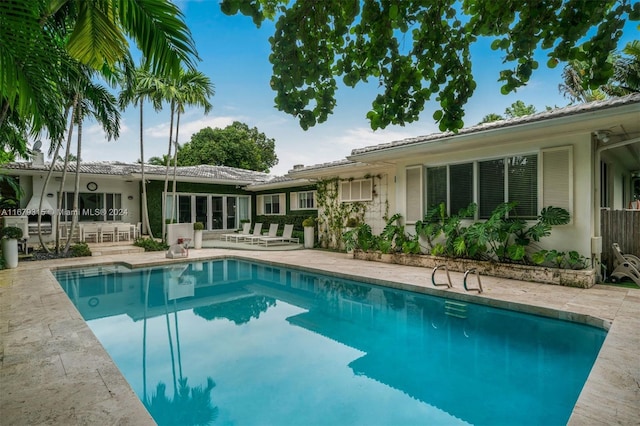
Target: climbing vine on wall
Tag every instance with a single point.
(333, 214)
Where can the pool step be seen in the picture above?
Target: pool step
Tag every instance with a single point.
(100, 250)
(455, 309)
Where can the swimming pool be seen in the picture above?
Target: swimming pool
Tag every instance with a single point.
(259, 344)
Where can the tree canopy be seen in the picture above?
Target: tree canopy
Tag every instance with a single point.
(236, 145)
(419, 49)
(517, 109)
(43, 43)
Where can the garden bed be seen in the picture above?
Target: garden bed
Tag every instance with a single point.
(583, 278)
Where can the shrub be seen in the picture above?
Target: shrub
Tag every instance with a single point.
(11, 232)
(310, 221)
(80, 249)
(198, 226)
(149, 244)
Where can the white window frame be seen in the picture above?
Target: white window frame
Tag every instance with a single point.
(294, 200)
(261, 202)
(355, 184)
(476, 177)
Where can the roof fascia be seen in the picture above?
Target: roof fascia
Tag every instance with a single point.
(595, 119)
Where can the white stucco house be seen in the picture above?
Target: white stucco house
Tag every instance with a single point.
(582, 157)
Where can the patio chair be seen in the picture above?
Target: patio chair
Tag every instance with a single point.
(626, 266)
(123, 232)
(273, 231)
(285, 238)
(90, 232)
(109, 231)
(237, 236)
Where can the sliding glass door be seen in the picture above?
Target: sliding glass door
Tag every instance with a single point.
(214, 211)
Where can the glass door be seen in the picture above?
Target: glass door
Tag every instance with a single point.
(231, 213)
(217, 217)
(202, 210)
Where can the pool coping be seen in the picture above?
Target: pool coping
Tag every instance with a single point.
(45, 341)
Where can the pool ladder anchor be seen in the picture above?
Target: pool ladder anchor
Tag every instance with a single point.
(448, 284)
(477, 274)
(433, 277)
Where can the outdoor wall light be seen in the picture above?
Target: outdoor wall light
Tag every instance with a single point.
(50, 195)
(603, 136)
(130, 197)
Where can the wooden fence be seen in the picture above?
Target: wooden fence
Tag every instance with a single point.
(622, 227)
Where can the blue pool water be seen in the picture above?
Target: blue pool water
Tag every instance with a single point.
(231, 342)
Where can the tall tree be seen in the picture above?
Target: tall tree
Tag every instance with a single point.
(190, 88)
(37, 39)
(626, 76)
(418, 49)
(94, 101)
(517, 109)
(143, 86)
(574, 81)
(236, 145)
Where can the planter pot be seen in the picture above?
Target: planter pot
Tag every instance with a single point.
(10, 252)
(197, 239)
(309, 236)
(584, 278)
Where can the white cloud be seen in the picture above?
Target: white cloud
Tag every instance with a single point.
(189, 127)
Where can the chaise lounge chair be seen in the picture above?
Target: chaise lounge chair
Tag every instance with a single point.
(285, 238)
(626, 266)
(273, 231)
(237, 236)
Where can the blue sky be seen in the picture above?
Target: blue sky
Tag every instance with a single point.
(235, 56)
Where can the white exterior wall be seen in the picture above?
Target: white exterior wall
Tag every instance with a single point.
(574, 236)
(32, 186)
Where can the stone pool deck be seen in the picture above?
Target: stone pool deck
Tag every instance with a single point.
(54, 371)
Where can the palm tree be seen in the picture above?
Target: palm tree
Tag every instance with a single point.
(143, 86)
(190, 88)
(96, 101)
(626, 74)
(38, 37)
(572, 85)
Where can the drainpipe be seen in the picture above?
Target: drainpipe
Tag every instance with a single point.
(596, 240)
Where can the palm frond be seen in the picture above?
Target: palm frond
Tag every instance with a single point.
(161, 34)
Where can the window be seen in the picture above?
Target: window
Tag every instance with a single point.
(522, 185)
(512, 179)
(451, 185)
(303, 200)
(271, 204)
(460, 186)
(490, 187)
(94, 206)
(356, 190)
(436, 186)
(214, 211)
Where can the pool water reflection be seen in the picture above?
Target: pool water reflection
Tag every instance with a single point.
(237, 342)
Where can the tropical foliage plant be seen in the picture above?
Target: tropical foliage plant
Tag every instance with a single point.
(503, 237)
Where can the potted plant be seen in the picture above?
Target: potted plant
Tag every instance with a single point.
(10, 237)
(309, 225)
(197, 234)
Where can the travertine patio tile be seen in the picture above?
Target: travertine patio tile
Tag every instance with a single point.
(54, 370)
